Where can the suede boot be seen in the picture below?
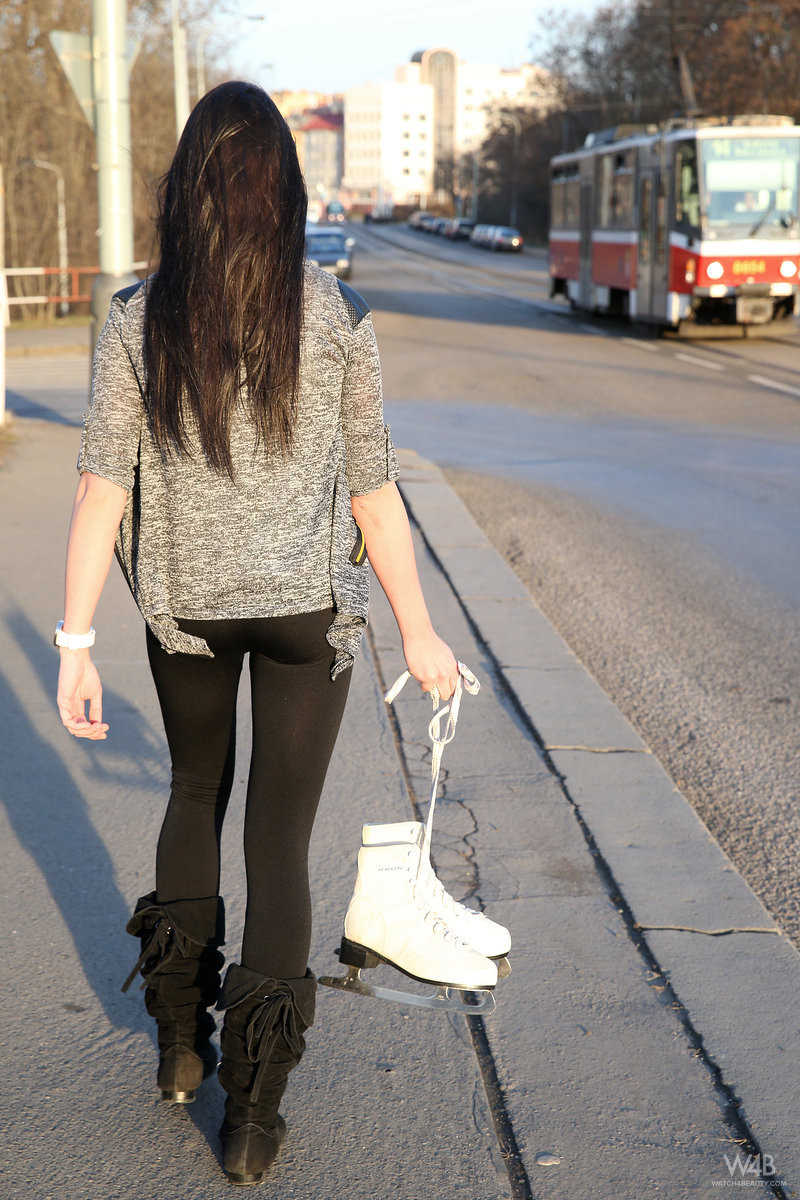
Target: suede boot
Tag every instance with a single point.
(180, 964)
(262, 1040)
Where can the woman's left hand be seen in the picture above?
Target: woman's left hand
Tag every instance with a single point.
(78, 681)
(432, 663)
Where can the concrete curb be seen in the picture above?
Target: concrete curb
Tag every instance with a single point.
(40, 350)
(709, 933)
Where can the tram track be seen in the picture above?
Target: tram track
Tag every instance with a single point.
(712, 354)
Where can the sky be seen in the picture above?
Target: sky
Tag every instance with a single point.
(316, 44)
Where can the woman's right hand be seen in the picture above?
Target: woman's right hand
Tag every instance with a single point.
(78, 681)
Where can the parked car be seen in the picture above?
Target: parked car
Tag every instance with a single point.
(330, 249)
(458, 228)
(481, 234)
(506, 238)
(416, 218)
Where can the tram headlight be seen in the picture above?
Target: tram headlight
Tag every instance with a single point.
(788, 268)
(715, 270)
(691, 270)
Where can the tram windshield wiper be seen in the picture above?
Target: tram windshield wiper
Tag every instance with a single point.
(764, 216)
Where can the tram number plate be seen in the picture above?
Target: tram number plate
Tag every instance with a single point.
(749, 266)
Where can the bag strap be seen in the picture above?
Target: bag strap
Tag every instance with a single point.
(466, 682)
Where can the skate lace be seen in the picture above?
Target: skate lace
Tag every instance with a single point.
(466, 682)
(445, 901)
(430, 915)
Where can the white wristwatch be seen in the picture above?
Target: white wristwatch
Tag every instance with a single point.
(73, 641)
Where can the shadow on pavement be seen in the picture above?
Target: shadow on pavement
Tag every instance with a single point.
(466, 306)
(25, 408)
(52, 822)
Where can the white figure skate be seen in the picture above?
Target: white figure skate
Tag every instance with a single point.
(401, 914)
(487, 937)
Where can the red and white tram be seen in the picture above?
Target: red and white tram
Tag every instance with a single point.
(694, 222)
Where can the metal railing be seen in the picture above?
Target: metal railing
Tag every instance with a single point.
(75, 275)
(59, 296)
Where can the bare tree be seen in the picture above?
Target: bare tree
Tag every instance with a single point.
(622, 66)
(40, 118)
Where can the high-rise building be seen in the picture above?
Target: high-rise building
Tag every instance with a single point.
(388, 135)
(320, 149)
(463, 99)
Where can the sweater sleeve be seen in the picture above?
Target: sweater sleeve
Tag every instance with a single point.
(369, 454)
(111, 429)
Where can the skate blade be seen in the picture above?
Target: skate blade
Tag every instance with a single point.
(503, 968)
(475, 1003)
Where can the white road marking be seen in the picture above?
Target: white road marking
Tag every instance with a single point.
(774, 385)
(700, 362)
(640, 345)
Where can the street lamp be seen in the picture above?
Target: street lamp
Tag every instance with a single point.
(517, 123)
(61, 209)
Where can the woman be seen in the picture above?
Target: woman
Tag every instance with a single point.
(235, 452)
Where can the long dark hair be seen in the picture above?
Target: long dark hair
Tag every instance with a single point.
(224, 308)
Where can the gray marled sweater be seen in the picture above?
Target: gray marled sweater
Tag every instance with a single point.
(277, 539)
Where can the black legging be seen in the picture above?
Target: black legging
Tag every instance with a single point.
(297, 711)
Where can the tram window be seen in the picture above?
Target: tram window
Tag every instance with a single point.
(615, 190)
(572, 192)
(564, 197)
(622, 195)
(603, 190)
(645, 216)
(557, 201)
(687, 188)
(661, 222)
(751, 183)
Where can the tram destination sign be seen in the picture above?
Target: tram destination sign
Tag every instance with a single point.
(753, 148)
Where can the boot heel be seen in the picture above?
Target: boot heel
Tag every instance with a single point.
(354, 955)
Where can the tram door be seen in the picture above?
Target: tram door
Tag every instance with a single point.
(651, 271)
(644, 261)
(585, 271)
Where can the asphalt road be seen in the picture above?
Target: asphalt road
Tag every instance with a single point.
(646, 490)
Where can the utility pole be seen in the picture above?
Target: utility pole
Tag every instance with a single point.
(475, 185)
(180, 71)
(98, 68)
(114, 175)
(517, 123)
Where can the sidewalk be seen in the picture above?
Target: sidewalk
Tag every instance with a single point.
(56, 338)
(648, 1026)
